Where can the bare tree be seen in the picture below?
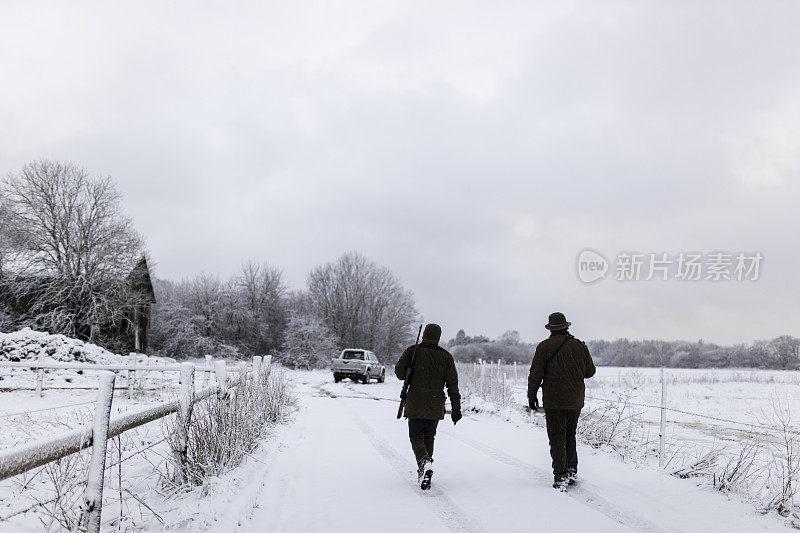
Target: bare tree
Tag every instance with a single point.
(260, 294)
(363, 303)
(73, 249)
(71, 225)
(205, 297)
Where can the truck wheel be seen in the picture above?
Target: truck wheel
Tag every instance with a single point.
(383, 376)
(367, 377)
(337, 378)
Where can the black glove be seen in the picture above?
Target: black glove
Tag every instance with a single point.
(455, 414)
(533, 403)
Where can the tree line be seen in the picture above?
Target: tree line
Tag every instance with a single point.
(351, 302)
(781, 353)
(67, 249)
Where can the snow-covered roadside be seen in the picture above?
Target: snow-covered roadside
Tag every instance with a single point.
(223, 502)
(138, 494)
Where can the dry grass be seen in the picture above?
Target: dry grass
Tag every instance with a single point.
(224, 430)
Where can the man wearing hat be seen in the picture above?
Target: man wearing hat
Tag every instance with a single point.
(434, 369)
(559, 366)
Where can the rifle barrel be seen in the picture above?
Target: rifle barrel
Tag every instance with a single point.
(407, 378)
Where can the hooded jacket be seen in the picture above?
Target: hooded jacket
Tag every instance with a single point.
(434, 369)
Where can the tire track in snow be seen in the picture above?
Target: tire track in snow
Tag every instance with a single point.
(285, 483)
(578, 492)
(453, 516)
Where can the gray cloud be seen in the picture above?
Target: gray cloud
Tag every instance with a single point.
(474, 151)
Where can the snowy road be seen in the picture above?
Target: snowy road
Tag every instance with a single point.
(345, 464)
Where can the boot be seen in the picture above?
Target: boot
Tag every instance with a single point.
(560, 483)
(425, 473)
(572, 476)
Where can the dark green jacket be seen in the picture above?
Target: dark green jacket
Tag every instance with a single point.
(562, 382)
(434, 369)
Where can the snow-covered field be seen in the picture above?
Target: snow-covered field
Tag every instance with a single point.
(344, 463)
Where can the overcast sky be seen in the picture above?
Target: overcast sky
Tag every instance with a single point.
(473, 148)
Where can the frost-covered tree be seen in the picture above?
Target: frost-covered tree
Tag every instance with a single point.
(70, 223)
(786, 350)
(468, 353)
(177, 331)
(510, 337)
(10, 238)
(260, 295)
(243, 315)
(72, 250)
(308, 343)
(363, 304)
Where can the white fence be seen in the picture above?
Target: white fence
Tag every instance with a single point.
(20, 459)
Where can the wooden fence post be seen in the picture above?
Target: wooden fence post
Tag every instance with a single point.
(186, 400)
(662, 431)
(129, 382)
(40, 376)
(256, 367)
(268, 364)
(210, 365)
(93, 496)
(222, 378)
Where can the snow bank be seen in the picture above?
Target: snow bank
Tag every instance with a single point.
(27, 344)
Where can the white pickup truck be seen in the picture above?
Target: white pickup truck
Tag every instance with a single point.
(357, 364)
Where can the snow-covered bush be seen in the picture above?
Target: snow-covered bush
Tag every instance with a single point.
(483, 387)
(618, 425)
(308, 343)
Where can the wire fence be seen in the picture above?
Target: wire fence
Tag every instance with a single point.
(495, 381)
(81, 483)
(700, 415)
(31, 411)
(23, 458)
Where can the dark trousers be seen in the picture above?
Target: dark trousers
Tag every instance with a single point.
(561, 427)
(422, 431)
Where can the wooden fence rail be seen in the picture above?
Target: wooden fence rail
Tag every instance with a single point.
(130, 370)
(22, 458)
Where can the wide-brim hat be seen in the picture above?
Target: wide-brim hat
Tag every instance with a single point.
(557, 321)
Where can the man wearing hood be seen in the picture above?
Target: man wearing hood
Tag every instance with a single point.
(434, 369)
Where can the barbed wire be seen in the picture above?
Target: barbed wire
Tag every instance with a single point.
(134, 454)
(27, 509)
(701, 415)
(59, 496)
(37, 504)
(8, 415)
